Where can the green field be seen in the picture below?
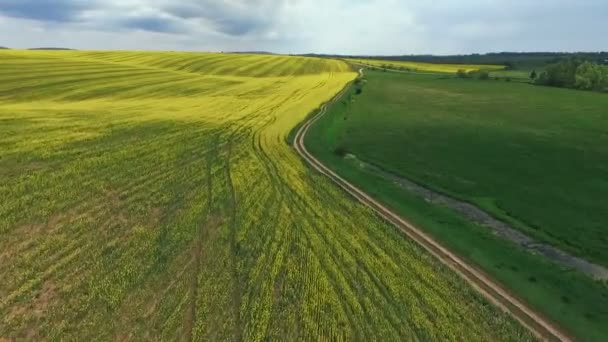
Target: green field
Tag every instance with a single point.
(533, 156)
(152, 196)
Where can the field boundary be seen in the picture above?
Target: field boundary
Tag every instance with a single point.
(539, 325)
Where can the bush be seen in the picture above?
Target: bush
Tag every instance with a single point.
(478, 74)
(561, 74)
(574, 73)
(483, 75)
(591, 76)
(461, 73)
(340, 151)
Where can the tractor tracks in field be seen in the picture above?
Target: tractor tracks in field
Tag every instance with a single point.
(234, 247)
(198, 248)
(539, 325)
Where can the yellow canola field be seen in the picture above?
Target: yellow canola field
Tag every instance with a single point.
(424, 67)
(152, 196)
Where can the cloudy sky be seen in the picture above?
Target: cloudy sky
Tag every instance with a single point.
(299, 26)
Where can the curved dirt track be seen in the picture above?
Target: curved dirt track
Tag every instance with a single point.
(484, 284)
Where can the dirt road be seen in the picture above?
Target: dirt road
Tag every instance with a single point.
(484, 284)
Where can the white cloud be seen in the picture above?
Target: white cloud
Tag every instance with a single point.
(298, 26)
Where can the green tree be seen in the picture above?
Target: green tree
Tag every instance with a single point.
(533, 75)
(561, 74)
(461, 73)
(483, 75)
(591, 76)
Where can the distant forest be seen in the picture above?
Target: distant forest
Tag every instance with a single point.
(51, 48)
(41, 48)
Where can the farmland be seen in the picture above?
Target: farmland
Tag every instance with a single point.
(423, 67)
(152, 195)
(530, 156)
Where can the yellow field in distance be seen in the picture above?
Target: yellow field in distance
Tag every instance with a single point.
(423, 67)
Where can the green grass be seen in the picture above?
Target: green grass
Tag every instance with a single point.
(150, 196)
(512, 149)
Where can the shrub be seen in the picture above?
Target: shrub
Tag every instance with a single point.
(561, 74)
(591, 76)
(461, 73)
(574, 73)
(340, 151)
(533, 75)
(483, 75)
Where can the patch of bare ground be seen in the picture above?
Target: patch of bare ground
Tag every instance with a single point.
(36, 309)
(25, 236)
(44, 298)
(40, 303)
(112, 198)
(22, 237)
(24, 168)
(156, 215)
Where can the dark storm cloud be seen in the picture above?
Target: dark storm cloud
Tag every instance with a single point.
(45, 10)
(230, 17)
(152, 24)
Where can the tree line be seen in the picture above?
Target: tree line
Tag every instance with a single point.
(574, 73)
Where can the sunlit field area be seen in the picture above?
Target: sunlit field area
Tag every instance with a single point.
(153, 195)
